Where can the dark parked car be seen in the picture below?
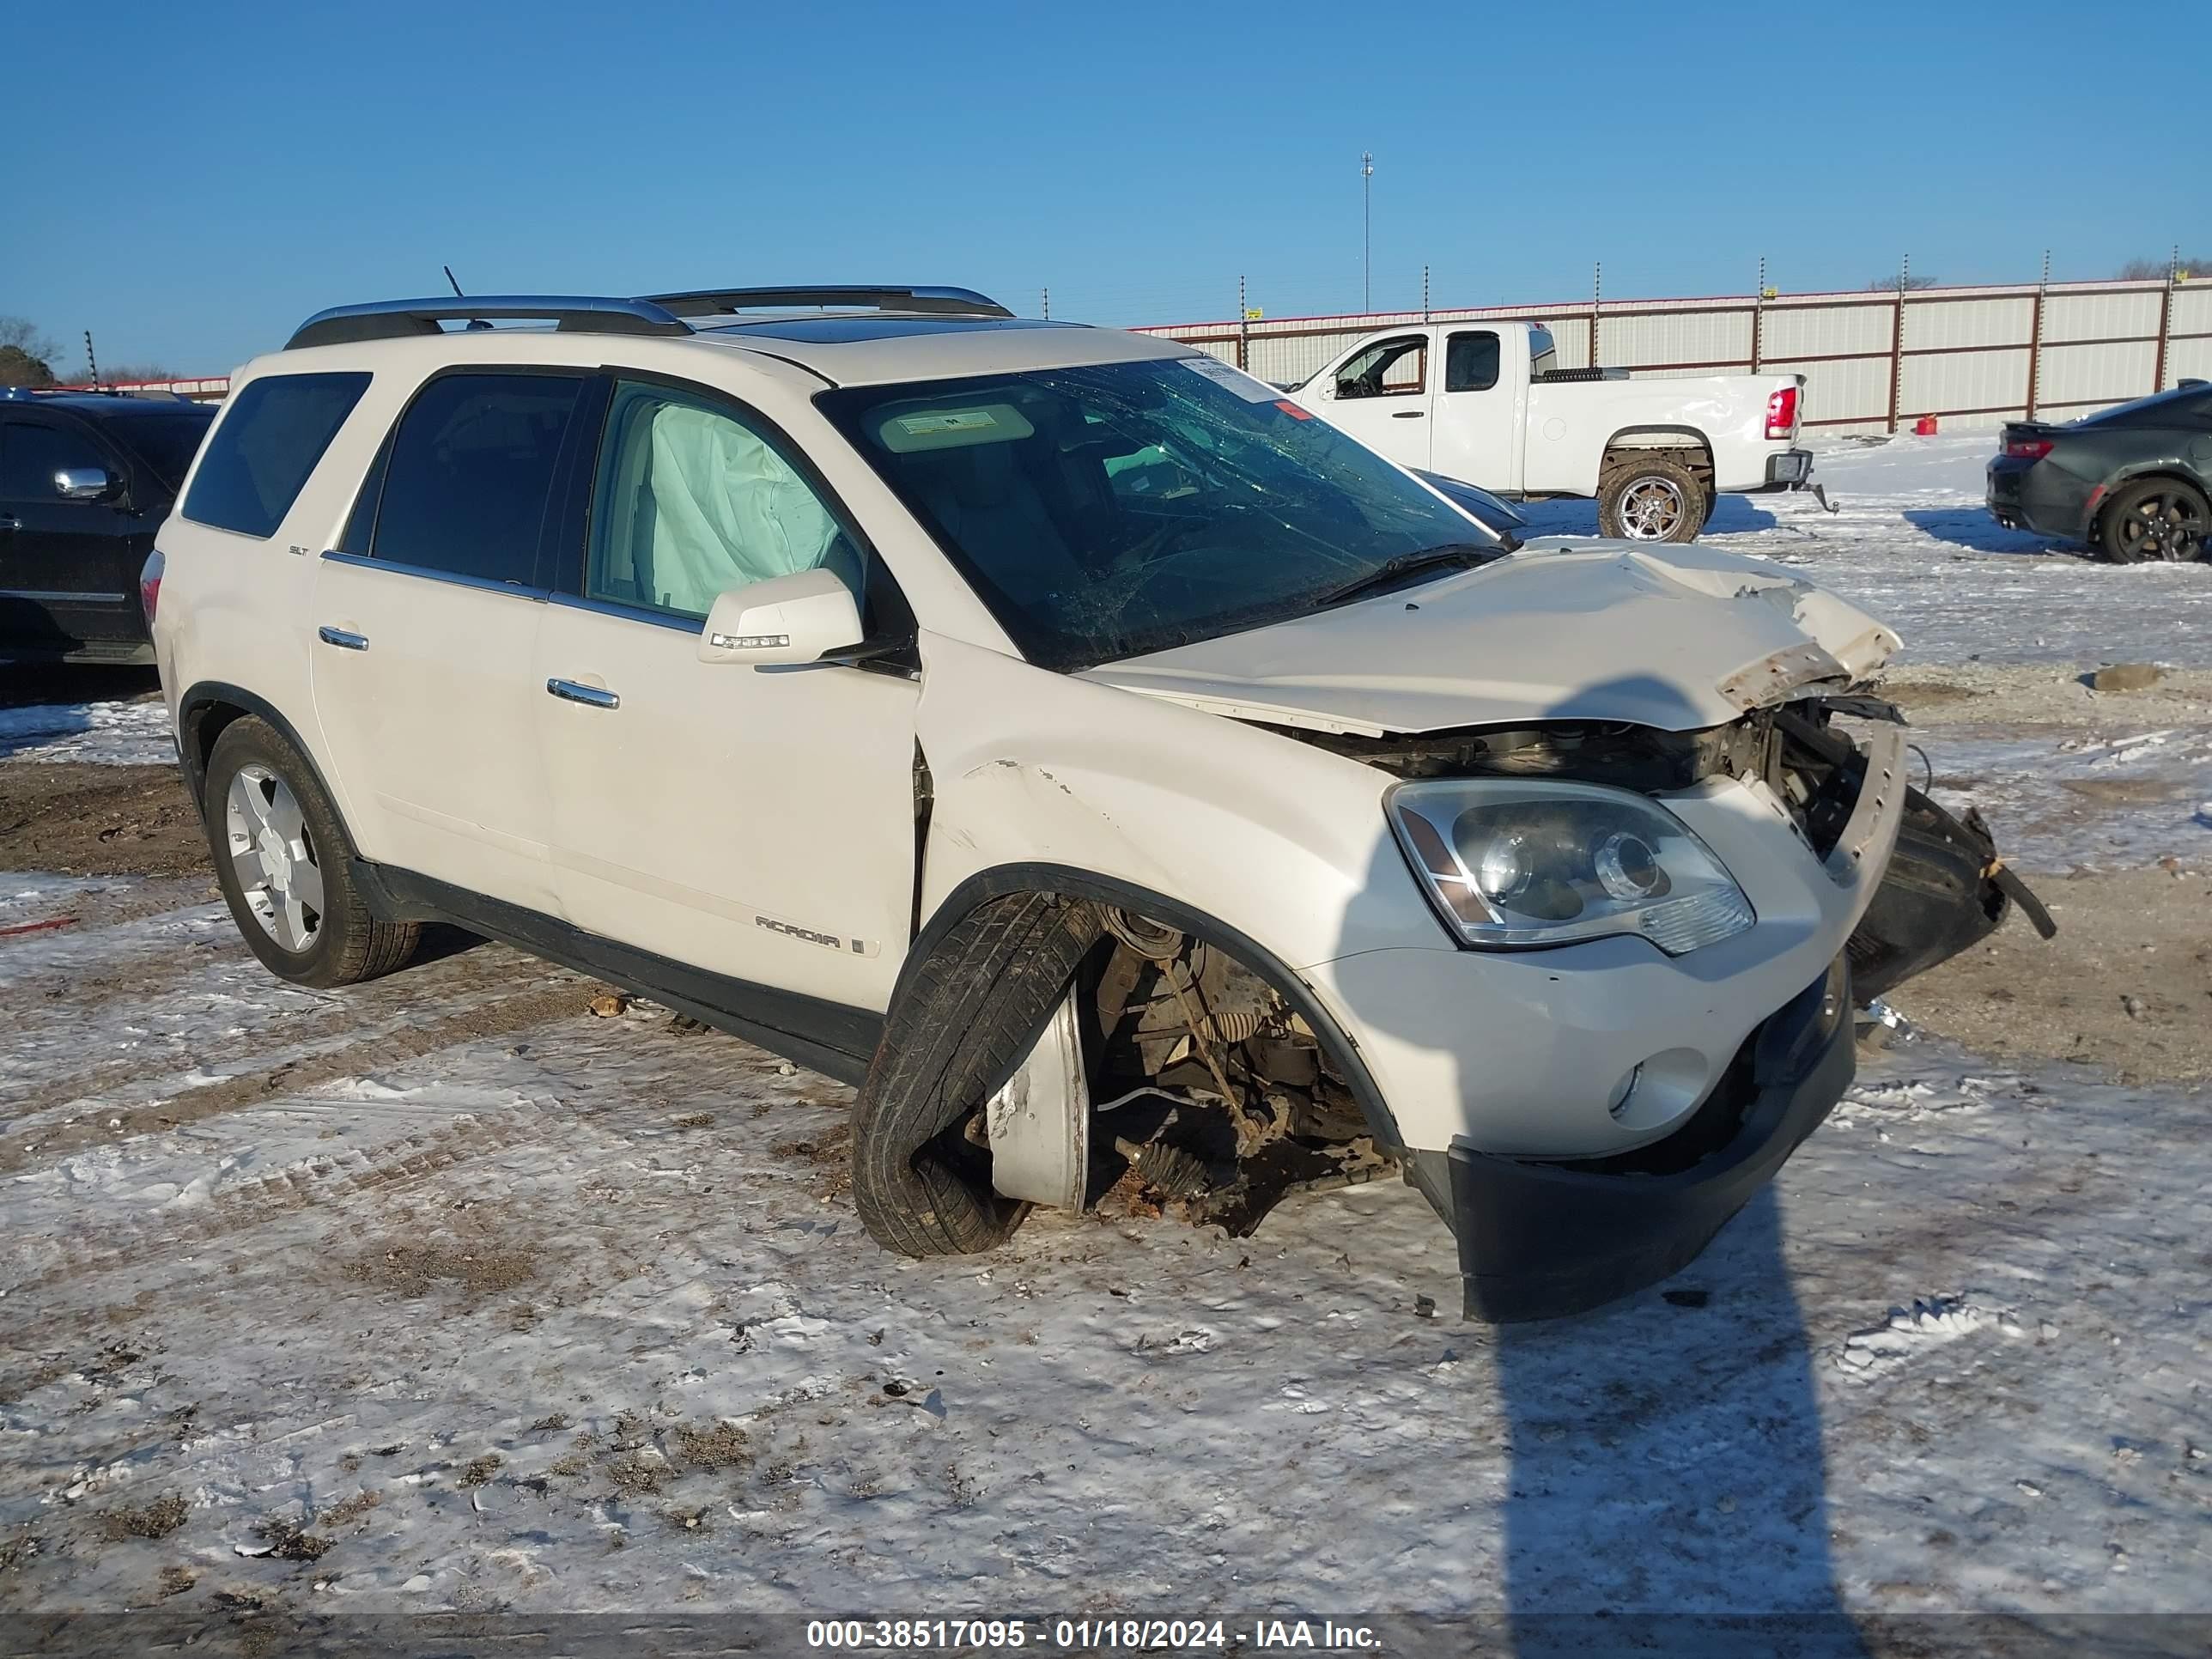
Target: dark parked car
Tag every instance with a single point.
(85, 481)
(2132, 482)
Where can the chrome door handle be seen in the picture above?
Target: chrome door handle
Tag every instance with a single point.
(1408, 414)
(9, 521)
(592, 696)
(342, 638)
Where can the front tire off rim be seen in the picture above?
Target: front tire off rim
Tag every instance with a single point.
(274, 857)
(2166, 525)
(1652, 509)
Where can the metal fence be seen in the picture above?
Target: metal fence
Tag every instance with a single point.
(1872, 361)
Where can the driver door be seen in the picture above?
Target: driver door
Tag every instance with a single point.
(1381, 394)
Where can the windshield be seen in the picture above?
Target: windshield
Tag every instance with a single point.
(1116, 509)
(166, 442)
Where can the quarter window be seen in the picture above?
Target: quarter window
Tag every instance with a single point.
(1471, 362)
(693, 500)
(31, 455)
(1388, 368)
(264, 447)
(468, 481)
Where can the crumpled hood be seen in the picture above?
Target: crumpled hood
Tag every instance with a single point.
(1569, 627)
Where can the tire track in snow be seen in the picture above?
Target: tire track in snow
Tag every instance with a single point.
(540, 1004)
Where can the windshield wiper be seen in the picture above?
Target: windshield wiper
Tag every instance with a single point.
(1451, 555)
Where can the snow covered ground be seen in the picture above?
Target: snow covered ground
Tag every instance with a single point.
(442, 1294)
(112, 733)
(572, 1314)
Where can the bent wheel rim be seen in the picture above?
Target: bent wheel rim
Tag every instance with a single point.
(274, 857)
(1652, 509)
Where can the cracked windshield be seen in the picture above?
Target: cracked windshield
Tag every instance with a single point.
(1110, 510)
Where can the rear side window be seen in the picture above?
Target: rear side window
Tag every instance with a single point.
(1471, 362)
(468, 481)
(165, 442)
(264, 447)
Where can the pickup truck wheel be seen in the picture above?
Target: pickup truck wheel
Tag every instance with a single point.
(284, 864)
(2157, 519)
(961, 1026)
(1651, 497)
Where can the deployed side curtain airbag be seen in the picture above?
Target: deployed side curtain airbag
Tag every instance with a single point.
(727, 510)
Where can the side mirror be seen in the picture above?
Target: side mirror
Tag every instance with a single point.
(784, 619)
(83, 483)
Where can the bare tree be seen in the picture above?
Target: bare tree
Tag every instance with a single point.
(26, 354)
(2153, 271)
(130, 374)
(1890, 284)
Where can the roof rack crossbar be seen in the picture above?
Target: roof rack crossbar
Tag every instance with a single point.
(944, 301)
(396, 319)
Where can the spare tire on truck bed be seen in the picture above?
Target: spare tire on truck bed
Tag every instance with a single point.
(962, 1020)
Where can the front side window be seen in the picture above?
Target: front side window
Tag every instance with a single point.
(1114, 509)
(467, 477)
(31, 454)
(270, 437)
(1388, 368)
(692, 500)
(1471, 362)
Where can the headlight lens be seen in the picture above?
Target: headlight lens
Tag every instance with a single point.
(1513, 864)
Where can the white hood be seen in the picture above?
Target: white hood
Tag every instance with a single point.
(1567, 629)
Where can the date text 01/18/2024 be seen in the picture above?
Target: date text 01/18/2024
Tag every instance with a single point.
(1156, 1635)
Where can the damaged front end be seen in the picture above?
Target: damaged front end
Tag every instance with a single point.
(1945, 889)
(1539, 1237)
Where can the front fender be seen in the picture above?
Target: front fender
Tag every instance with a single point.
(1282, 841)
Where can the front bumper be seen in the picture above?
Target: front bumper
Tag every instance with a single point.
(2025, 495)
(1538, 1240)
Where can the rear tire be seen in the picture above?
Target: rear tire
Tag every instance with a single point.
(2159, 518)
(960, 1029)
(285, 865)
(1647, 495)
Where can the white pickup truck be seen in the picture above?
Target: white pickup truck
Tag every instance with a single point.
(1483, 403)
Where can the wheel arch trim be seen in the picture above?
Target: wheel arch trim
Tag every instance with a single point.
(1655, 430)
(2126, 476)
(191, 755)
(1000, 881)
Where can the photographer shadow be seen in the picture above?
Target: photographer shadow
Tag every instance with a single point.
(1666, 1486)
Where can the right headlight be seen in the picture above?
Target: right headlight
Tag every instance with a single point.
(1515, 865)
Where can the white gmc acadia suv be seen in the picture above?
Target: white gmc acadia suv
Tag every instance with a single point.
(1119, 774)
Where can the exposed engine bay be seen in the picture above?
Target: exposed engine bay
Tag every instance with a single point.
(1213, 1098)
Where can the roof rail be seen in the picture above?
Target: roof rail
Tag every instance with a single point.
(397, 319)
(946, 301)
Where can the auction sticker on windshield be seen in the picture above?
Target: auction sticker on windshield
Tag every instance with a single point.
(1221, 373)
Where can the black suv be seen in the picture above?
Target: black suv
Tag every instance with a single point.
(85, 481)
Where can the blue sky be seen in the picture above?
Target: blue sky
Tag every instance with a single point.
(239, 167)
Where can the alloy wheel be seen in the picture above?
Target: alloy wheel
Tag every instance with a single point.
(1652, 509)
(274, 857)
(2167, 525)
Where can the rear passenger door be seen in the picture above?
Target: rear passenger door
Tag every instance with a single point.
(426, 620)
(755, 823)
(1478, 420)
